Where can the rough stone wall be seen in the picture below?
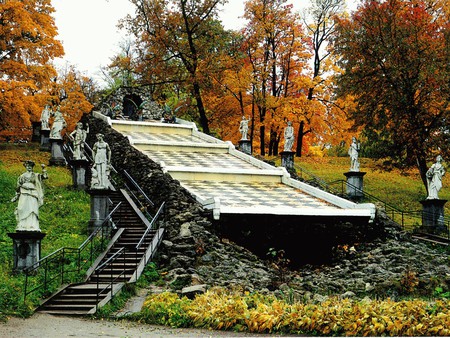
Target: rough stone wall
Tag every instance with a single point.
(190, 251)
(113, 103)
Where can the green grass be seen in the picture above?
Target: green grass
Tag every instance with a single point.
(63, 217)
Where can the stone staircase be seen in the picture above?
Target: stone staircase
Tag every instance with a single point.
(131, 248)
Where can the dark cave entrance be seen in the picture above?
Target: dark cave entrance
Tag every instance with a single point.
(131, 104)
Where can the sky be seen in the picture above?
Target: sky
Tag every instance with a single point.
(88, 30)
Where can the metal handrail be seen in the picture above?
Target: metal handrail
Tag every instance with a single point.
(60, 255)
(128, 176)
(366, 194)
(391, 211)
(105, 263)
(112, 280)
(150, 226)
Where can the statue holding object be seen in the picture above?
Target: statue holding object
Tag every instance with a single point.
(78, 137)
(30, 194)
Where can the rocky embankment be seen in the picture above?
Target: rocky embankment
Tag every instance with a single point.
(393, 266)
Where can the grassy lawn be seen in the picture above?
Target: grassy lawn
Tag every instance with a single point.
(63, 217)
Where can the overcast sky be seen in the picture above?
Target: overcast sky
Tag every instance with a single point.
(88, 32)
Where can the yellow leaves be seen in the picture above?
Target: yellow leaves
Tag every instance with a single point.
(226, 310)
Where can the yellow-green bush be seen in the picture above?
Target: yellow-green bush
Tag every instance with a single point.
(223, 310)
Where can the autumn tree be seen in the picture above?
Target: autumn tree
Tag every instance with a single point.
(322, 116)
(227, 98)
(395, 54)
(178, 39)
(27, 46)
(70, 91)
(277, 51)
(122, 71)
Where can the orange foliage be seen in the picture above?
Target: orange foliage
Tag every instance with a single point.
(27, 45)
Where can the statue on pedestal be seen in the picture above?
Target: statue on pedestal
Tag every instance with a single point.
(102, 164)
(243, 128)
(30, 194)
(434, 178)
(78, 137)
(45, 115)
(288, 137)
(58, 125)
(353, 151)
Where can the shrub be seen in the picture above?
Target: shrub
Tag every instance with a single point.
(219, 309)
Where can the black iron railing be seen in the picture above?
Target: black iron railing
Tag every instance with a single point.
(67, 264)
(114, 274)
(151, 229)
(414, 220)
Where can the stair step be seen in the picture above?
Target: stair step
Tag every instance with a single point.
(86, 286)
(80, 301)
(75, 296)
(67, 307)
(65, 312)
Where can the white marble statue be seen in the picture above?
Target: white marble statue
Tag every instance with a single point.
(102, 164)
(243, 128)
(434, 178)
(30, 194)
(58, 125)
(288, 137)
(45, 115)
(353, 151)
(78, 137)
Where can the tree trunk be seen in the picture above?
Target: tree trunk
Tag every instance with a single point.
(422, 166)
(201, 108)
(298, 150)
(262, 132)
(300, 135)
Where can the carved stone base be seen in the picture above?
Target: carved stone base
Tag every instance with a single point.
(26, 248)
(45, 140)
(79, 173)
(355, 184)
(245, 146)
(100, 204)
(433, 216)
(287, 159)
(57, 158)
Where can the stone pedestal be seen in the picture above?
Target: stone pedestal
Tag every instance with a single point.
(36, 134)
(79, 173)
(26, 248)
(57, 158)
(355, 184)
(287, 159)
(433, 216)
(99, 207)
(245, 146)
(45, 140)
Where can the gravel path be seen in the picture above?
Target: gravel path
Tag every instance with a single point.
(48, 326)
